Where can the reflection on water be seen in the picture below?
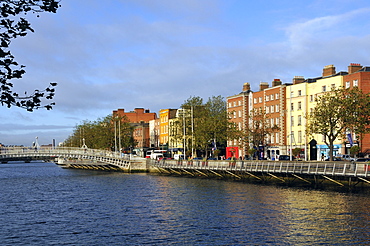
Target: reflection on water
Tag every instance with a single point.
(44, 204)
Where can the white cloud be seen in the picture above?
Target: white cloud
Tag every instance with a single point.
(320, 30)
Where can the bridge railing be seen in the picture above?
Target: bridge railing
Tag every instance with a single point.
(60, 150)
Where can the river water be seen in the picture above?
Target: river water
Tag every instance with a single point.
(44, 204)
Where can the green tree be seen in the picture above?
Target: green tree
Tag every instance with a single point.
(102, 133)
(296, 151)
(207, 123)
(337, 112)
(13, 25)
(259, 128)
(354, 150)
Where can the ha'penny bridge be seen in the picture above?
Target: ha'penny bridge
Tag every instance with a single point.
(291, 173)
(79, 158)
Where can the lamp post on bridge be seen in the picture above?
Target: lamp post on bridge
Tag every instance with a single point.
(84, 146)
(36, 145)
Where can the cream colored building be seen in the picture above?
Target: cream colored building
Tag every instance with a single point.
(300, 101)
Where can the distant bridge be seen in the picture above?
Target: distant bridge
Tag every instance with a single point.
(74, 158)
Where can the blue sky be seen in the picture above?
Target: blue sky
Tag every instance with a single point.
(155, 54)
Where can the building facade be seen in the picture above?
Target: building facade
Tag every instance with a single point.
(288, 105)
(238, 107)
(139, 119)
(164, 125)
(358, 76)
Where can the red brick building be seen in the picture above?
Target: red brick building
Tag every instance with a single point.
(139, 119)
(238, 107)
(358, 76)
(136, 116)
(271, 100)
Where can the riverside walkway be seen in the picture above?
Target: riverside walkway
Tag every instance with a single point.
(311, 173)
(74, 158)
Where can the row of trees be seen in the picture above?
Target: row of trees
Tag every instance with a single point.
(111, 133)
(204, 125)
(201, 124)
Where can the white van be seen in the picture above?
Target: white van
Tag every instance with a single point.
(156, 155)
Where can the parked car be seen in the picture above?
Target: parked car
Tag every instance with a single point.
(285, 158)
(345, 157)
(334, 159)
(362, 160)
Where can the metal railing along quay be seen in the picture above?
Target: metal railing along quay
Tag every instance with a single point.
(337, 172)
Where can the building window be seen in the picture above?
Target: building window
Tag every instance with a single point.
(292, 106)
(267, 109)
(240, 113)
(299, 137)
(311, 98)
(292, 121)
(324, 88)
(234, 104)
(234, 114)
(348, 84)
(277, 108)
(277, 137)
(277, 121)
(299, 120)
(267, 98)
(272, 138)
(240, 102)
(299, 105)
(277, 96)
(272, 108)
(333, 86)
(255, 100)
(260, 99)
(272, 97)
(355, 82)
(291, 94)
(299, 93)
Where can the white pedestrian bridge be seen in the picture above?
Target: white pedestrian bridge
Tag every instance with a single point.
(71, 157)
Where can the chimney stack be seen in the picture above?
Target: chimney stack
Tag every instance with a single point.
(264, 85)
(328, 70)
(276, 82)
(246, 87)
(139, 110)
(298, 80)
(354, 67)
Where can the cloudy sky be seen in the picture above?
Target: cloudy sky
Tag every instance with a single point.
(155, 54)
